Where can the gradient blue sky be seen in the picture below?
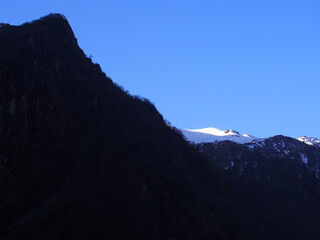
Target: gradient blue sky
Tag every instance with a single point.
(253, 66)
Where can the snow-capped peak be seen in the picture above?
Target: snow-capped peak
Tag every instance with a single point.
(214, 134)
(214, 131)
(309, 140)
(211, 134)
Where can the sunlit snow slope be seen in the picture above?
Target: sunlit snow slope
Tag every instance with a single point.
(214, 134)
(309, 140)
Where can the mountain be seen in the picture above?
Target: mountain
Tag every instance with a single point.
(277, 179)
(214, 134)
(310, 140)
(82, 159)
(211, 134)
(277, 146)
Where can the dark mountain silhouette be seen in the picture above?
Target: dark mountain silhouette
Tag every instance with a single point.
(276, 179)
(82, 159)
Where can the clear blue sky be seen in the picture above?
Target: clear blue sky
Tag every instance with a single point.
(250, 65)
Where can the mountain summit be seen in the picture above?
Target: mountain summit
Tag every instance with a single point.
(310, 140)
(214, 134)
(211, 134)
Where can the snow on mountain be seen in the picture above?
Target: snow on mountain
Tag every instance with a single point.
(309, 140)
(214, 134)
(211, 134)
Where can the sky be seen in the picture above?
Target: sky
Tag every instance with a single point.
(252, 66)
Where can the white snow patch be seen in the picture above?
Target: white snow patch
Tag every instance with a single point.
(309, 140)
(215, 134)
(251, 146)
(304, 158)
(276, 147)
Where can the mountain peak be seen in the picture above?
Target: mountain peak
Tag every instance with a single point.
(47, 21)
(309, 140)
(214, 134)
(50, 19)
(211, 134)
(46, 38)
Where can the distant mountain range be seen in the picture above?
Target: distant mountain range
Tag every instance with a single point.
(276, 175)
(211, 134)
(306, 149)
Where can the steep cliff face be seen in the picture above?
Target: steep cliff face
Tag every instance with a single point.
(81, 159)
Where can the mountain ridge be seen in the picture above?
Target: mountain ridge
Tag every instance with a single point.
(211, 134)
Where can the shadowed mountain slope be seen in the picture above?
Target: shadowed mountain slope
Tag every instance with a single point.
(276, 180)
(82, 159)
